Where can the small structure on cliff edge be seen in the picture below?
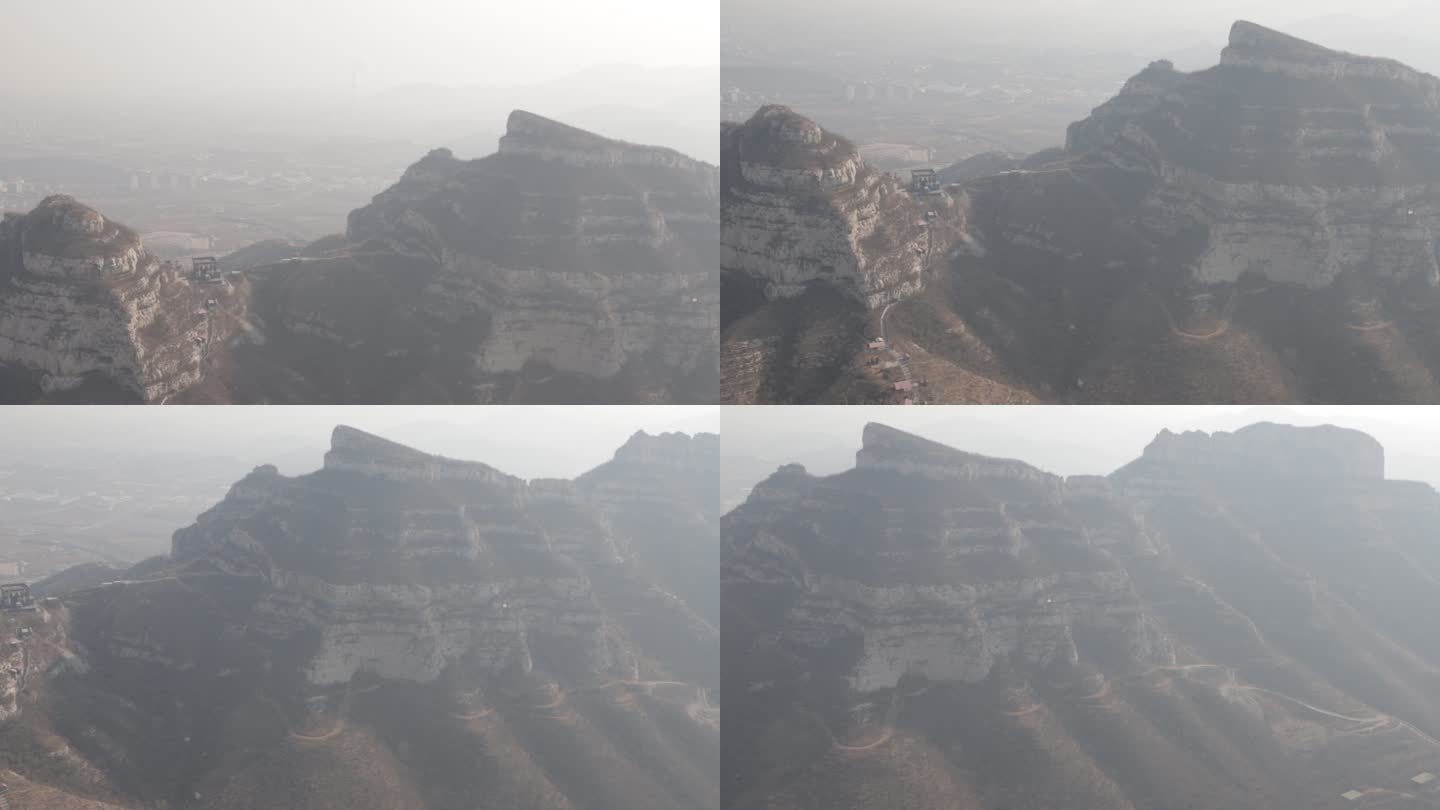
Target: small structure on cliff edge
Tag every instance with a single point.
(205, 269)
(924, 182)
(16, 596)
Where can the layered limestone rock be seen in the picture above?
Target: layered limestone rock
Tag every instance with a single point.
(81, 299)
(801, 208)
(359, 452)
(397, 563)
(1256, 589)
(564, 250)
(1302, 164)
(887, 449)
(935, 563)
(388, 598)
(1264, 230)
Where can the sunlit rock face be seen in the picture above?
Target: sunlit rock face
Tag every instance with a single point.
(1303, 163)
(81, 300)
(1264, 230)
(591, 258)
(801, 208)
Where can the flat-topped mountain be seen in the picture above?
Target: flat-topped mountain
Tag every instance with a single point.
(566, 267)
(1259, 231)
(1230, 620)
(399, 629)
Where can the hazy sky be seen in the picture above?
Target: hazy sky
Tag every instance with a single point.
(1065, 440)
(1032, 12)
(1077, 24)
(528, 441)
(160, 45)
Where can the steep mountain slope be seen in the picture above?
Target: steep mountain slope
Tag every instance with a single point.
(1264, 230)
(1229, 621)
(401, 630)
(567, 267)
(87, 314)
(812, 242)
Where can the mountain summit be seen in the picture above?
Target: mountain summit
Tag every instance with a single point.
(399, 629)
(1229, 620)
(1262, 230)
(566, 267)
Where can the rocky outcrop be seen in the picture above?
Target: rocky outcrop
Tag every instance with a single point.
(801, 208)
(534, 136)
(1256, 47)
(564, 254)
(82, 301)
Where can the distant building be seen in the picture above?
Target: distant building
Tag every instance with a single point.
(205, 269)
(848, 93)
(924, 181)
(12, 569)
(905, 385)
(16, 596)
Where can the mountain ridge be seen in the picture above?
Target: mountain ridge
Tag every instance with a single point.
(1187, 632)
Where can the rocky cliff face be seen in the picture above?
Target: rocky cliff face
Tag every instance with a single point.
(909, 617)
(440, 591)
(1289, 184)
(456, 561)
(815, 248)
(565, 254)
(1264, 230)
(1303, 164)
(934, 563)
(802, 208)
(84, 305)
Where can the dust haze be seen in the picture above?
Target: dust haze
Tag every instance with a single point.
(1079, 25)
(112, 483)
